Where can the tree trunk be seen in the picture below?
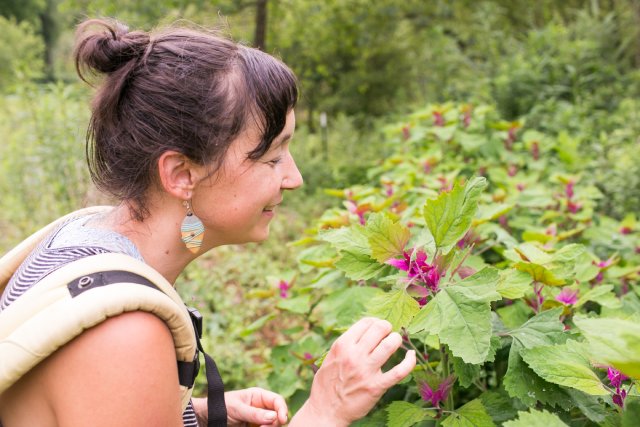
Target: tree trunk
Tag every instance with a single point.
(261, 25)
(49, 35)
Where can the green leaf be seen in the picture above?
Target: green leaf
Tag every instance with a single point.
(520, 380)
(405, 414)
(343, 308)
(386, 238)
(565, 365)
(395, 306)
(540, 273)
(472, 414)
(613, 342)
(535, 418)
(513, 284)
(449, 216)
(631, 413)
(467, 373)
(545, 328)
(257, 324)
(602, 294)
(591, 406)
(358, 266)
(300, 304)
(460, 314)
(352, 239)
(499, 406)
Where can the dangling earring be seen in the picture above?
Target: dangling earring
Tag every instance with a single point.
(192, 230)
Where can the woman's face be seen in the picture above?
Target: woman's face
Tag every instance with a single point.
(237, 203)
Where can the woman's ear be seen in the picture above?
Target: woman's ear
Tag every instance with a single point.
(178, 175)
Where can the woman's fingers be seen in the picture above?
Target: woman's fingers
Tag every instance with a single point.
(252, 415)
(385, 348)
(372, 337)
(394, 375)
(355, 332)
(268, 399)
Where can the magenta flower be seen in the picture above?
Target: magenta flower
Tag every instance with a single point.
(573, 207)
(438, 395)
(626, 230)
(418, 270)
(438, 119)
(284, 288)
(568, 189)
(535, 150)
(359, 210)
(567, 296)
(615, 379)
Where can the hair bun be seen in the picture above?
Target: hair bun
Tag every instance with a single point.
(108, 50)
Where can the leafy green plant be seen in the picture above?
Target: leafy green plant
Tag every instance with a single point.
(492, 260)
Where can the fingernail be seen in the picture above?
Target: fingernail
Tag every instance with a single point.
(270, 416)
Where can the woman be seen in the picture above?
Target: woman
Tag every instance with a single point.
(191, 133)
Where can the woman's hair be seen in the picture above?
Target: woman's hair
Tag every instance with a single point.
(174, 89)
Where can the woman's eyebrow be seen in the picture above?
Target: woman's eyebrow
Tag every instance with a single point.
(283, 139)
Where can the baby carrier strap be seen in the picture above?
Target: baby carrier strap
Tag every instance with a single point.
(10, 262)
(83, 294)
(75, 298)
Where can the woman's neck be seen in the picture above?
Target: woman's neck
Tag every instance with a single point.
(157, 237)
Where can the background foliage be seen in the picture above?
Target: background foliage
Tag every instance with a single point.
(559, 79)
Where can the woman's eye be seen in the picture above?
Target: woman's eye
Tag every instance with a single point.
(275, 161)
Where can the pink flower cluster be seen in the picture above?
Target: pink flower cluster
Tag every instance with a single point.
(438, 395)
(284, 287)
(424, 278)
(572, 206)
(615, 379)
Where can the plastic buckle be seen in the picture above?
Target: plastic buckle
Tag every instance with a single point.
(196, 319)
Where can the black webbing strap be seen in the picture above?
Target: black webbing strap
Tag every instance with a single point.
(187, 371)
(216, 407)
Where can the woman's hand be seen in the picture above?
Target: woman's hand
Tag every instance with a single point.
(351, 381)
(255, 406)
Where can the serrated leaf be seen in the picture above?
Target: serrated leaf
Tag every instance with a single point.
(358, 266)
(545, 328)
(524, 384)
(535, 418)
(386, 238)
(513, 284)
(520, 380)
(449, 216)
(405, 414)
(540, 273)
(343, 308)
(466, 373)
(602, 294)
(472, 414)
(591, 406)
(613, 342)
(565, 365)
(460, 314)
(352, 239)
(396, 306)
(499, 406)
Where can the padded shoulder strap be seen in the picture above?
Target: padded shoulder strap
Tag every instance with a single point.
(10, 262)
(57, 310)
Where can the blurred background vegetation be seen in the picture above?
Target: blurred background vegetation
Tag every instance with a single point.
(570, 68)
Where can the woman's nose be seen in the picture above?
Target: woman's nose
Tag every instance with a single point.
(293, 178)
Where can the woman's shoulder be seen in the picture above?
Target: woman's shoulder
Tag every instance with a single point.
(120, 372)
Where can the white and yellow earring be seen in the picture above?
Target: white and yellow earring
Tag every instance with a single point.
(192, 230)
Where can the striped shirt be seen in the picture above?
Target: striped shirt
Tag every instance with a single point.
(69, 242)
